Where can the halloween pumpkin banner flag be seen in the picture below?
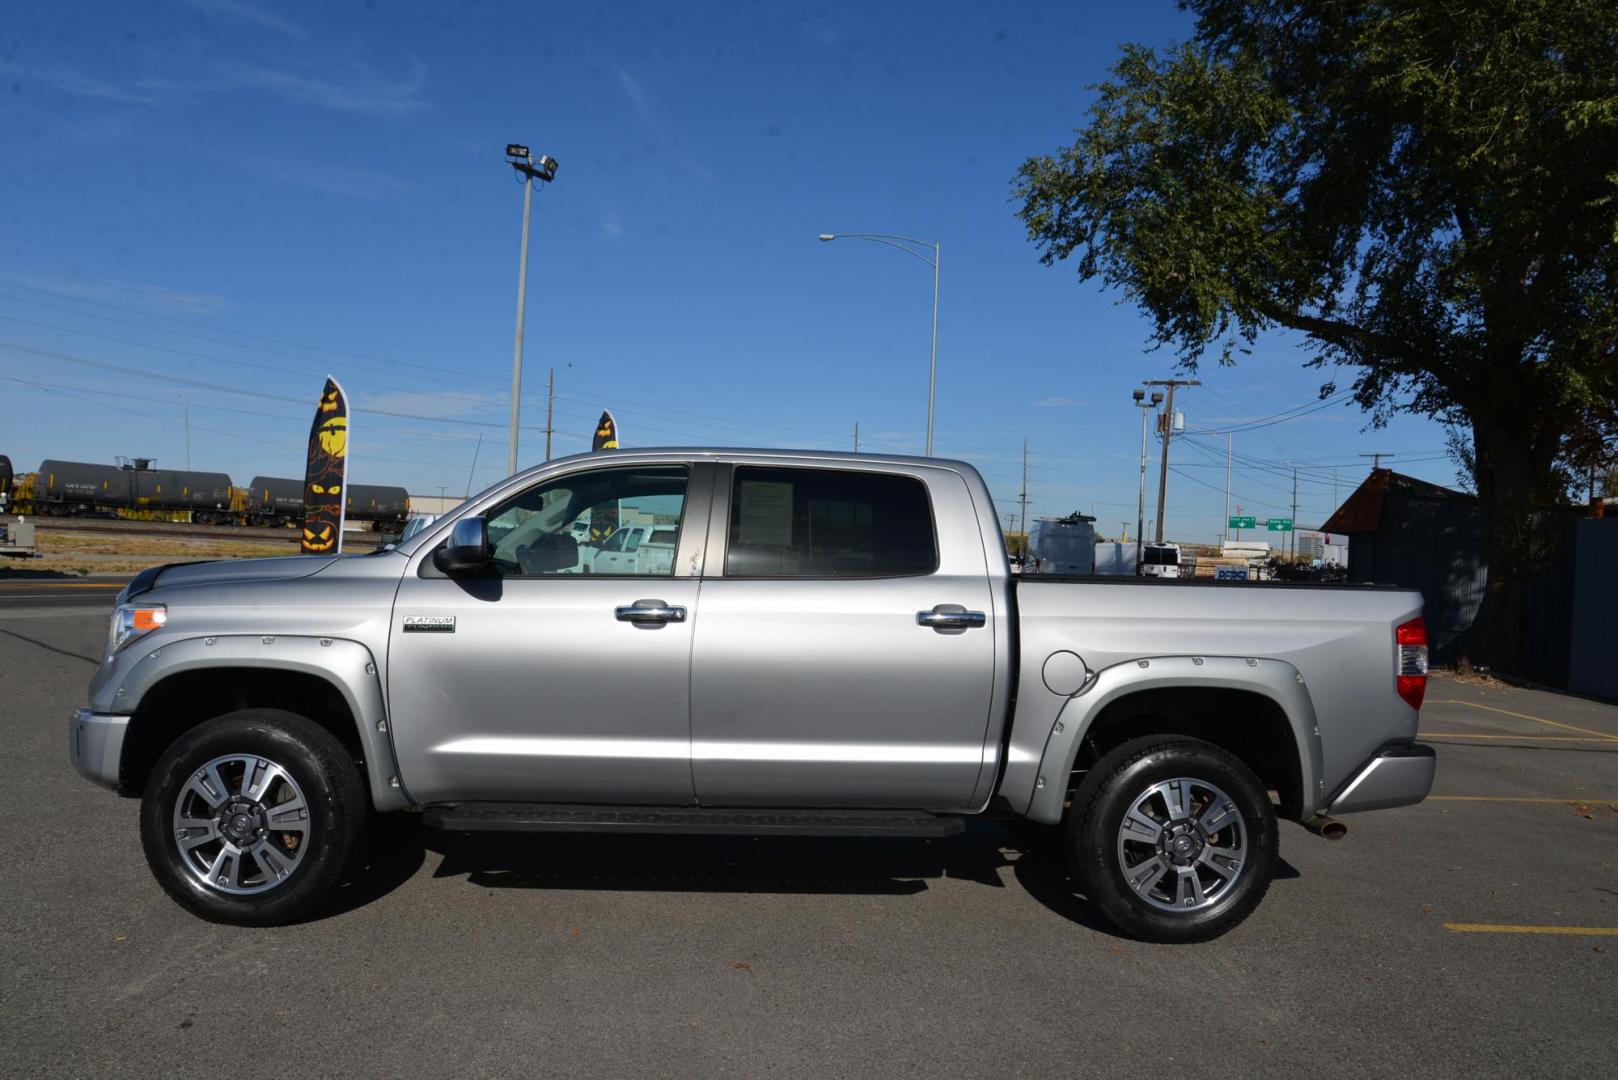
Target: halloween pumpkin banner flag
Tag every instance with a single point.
(606, 437)
(604, 519)
(326, 474)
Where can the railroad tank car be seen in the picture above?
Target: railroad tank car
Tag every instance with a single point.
(278, 500)
(378, 503)
(77, 487)
(274, 500)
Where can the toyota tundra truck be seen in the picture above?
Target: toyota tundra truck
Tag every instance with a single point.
(837, 648)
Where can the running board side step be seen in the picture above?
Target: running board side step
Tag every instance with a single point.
(691, 820)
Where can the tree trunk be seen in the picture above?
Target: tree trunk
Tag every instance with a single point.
(1507, 466)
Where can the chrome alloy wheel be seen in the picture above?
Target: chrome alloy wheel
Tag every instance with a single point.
(241, 824)
(1182, 845)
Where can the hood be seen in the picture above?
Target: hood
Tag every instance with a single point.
(230, 571)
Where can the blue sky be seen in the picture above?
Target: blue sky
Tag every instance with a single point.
(226, 199)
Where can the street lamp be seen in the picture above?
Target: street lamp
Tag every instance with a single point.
(542, 169)
(910, 247)
(1145, 407)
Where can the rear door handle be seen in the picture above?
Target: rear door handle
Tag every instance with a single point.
(951, 617)
(650, 612)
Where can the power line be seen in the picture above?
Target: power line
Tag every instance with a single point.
(297, 445)
(1175, 469)
(239, 333)
(159, 377)
(1291, 435)
(257, 366)
(1278, 418)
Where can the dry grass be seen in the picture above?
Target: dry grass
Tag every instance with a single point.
(156, 546)
(109, 553)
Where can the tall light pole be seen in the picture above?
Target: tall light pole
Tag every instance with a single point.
(910, 247)
(1146, 409)
(543, 169)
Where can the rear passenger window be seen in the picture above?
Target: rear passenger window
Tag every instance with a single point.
(822, 523)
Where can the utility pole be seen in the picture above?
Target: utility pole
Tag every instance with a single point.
(473, 471)
(1228, 454)
(542, 168)
(856, 436)
(1294, 513)
(187, 406)
(550, 410)
(1167, 423)
(1376, 459)
(1140, 507)
(1023, 495)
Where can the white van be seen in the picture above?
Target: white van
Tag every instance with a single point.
(1160, 560)
(1062, 546)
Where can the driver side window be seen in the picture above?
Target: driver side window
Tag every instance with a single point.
(559, 527)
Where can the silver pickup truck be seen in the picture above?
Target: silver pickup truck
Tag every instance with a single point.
(837, 649)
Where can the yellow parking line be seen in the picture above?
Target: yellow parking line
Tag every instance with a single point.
(1525, 716)
(1586, 800)
(1511, 928)
(1518, 738)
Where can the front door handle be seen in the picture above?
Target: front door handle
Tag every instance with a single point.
(951, 617)
(650, 612)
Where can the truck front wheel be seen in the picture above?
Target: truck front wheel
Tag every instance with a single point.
(252, 818)
(1172, 838)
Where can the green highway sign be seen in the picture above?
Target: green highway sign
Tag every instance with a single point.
(1279, 524)
(1243, 523)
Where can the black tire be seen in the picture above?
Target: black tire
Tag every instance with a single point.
(330, 786)
(1111, 789)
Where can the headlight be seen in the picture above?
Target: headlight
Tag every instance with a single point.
(130, 621)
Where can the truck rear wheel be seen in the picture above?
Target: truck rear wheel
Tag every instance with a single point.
(252, 818)
(1172, 838)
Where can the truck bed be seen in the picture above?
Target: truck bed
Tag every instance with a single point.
(1338, 638)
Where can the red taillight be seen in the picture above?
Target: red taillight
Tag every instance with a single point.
(1411, 680)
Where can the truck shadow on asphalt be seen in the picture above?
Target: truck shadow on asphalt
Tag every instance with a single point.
(396, 851)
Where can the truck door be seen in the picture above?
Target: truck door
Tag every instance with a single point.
(845, 657)
(552, 685)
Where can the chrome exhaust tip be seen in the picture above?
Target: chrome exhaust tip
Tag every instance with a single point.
(1321, 825)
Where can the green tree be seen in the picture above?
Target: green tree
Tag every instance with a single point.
(1426, 190)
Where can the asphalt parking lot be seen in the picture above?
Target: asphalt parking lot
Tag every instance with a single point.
(1476, 934)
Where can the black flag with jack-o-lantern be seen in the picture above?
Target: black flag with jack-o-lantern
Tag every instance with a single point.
(606, 436)
(604, 519)
(326, 474)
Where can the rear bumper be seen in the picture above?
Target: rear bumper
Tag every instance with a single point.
(1397, 777)
(95, 742)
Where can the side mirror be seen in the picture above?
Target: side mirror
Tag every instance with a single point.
(468, 547)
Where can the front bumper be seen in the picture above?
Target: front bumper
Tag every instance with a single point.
(1398, 777)
(95, 741)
